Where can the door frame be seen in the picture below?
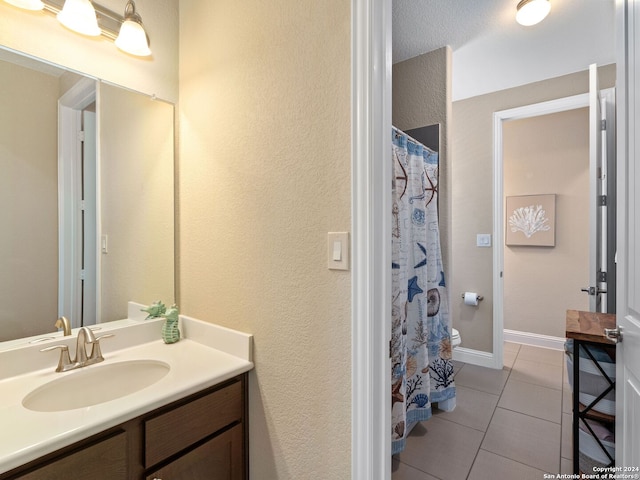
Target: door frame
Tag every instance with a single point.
(70, 106)
(370, 239)
(499, 118)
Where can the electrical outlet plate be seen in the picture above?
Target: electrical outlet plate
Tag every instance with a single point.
(483, 240)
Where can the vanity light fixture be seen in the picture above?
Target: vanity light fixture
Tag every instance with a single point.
(80, 16)
(133, 38)
(27, 4)
(89, 18)
(530, 12)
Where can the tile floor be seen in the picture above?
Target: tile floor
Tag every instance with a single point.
(509, 423)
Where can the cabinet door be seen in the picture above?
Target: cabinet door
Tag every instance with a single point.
(221, 458)
(106, 460)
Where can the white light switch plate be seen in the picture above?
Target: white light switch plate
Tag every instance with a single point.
(338, 250)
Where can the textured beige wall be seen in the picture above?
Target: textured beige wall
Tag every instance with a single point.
(41, 35)
(472, 193)
(548, 154)
(28, 201)
(264, 175)
(421, 97)
(137, 200)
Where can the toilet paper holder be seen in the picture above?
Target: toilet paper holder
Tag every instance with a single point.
(480, 297)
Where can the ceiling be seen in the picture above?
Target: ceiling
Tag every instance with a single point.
(420, 26)
(485, 38)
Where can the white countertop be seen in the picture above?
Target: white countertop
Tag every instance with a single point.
(206, 355)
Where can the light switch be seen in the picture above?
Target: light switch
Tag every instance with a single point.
(483, 240)
(338, 250)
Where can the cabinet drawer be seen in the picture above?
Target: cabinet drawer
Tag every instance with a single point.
(175, 430)
(104, 460)
(220, 457)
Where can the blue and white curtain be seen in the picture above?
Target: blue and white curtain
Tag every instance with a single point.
(421, 366)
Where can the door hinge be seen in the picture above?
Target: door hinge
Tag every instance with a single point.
(81, 135)
(390, 350)
(82, 274)
(602, 276)
(602, 200)
(603, 124)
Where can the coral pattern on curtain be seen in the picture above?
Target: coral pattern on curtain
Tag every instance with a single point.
(421, 366)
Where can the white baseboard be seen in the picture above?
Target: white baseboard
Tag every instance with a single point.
(474, 357)
(534, 339)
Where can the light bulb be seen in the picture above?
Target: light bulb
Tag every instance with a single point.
(79, 16)
(531, 12)
(133, 39)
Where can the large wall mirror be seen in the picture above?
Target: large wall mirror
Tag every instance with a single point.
(87, 218)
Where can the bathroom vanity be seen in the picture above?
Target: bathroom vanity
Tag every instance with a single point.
(202, 436)
(190, 423)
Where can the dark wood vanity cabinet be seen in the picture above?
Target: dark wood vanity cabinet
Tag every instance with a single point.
(203, 436)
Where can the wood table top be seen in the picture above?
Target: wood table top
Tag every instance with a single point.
(589, 326)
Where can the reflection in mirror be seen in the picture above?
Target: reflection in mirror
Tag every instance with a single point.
(49, 264)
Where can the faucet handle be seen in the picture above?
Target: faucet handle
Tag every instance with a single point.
(65, 362)
(96, 353)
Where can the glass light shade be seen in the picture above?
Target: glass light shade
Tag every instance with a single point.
(133, 39)
(531, 12)
(79, 16)
(27, 4)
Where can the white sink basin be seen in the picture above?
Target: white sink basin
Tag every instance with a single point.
(95, 384)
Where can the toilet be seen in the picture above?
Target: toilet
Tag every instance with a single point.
(455, 338)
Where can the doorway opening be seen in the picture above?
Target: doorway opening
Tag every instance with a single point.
(582, 253)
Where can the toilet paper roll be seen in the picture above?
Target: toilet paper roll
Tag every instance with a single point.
(470, 298)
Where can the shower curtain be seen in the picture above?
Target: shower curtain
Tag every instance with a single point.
(421, 366)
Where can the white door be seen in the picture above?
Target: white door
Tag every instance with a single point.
(89, 227)
(628, 295)
(597, 198)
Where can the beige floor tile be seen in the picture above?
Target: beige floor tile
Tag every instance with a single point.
(401, 471)
(489, 466)
(566, 451)
(473, 408)
(532, 441)
(511, 347)
(484, 379)
(566, 466)
(456, 366)
(534, 400)
(567, 401)
(431, 445)
(537, 373)
(543, 355)
(509, 358)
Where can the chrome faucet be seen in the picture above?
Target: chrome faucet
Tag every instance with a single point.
(64, 324)
(85, 338)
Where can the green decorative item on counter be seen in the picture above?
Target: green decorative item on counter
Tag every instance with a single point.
(170, 331)
(155, 310)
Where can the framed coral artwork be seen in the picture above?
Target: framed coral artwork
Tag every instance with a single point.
(531, 220)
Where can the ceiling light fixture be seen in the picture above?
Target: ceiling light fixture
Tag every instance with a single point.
(80, 16)
(27, 4)
(133, 38)
(530, 12)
